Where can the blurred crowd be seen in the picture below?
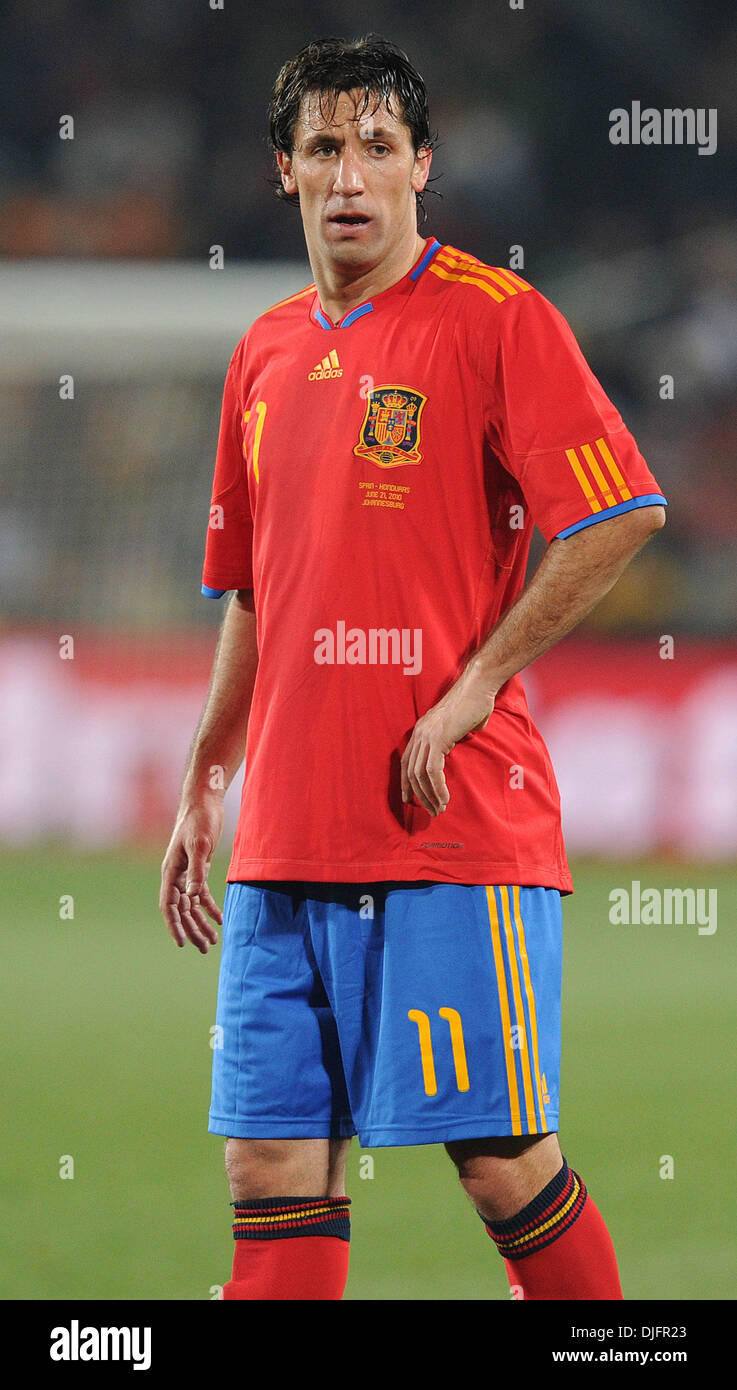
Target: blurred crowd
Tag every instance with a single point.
(170, 156)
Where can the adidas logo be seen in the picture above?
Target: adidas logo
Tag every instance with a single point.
(329, 367)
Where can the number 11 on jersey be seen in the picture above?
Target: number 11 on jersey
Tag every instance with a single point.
(453, 1020)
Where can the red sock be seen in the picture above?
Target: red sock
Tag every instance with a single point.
(558, 1246)
(290, 1248)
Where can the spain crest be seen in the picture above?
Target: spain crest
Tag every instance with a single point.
(390, 433)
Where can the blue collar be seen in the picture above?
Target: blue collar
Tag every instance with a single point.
(367, 308)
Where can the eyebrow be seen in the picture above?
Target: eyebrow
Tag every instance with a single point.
(324, 138)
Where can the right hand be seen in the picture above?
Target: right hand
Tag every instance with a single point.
(185, 897)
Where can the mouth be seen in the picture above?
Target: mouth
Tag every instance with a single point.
(349, 219)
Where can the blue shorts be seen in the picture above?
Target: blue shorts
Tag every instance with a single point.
(409, 1013)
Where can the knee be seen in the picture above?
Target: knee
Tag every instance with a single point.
(475, 1158)
(259, 1167)
(500, 1176)
(284, 1167)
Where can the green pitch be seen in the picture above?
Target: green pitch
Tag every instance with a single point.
(106, 1061)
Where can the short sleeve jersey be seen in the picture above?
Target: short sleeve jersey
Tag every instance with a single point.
(376, 484)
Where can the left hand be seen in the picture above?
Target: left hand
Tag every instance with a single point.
(465, 709)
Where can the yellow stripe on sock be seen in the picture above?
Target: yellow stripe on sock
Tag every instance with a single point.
(256, 1219)
(546, 1225)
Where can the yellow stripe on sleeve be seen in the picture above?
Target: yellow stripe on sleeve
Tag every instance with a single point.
(617, 478)
(461, 263)
(593, 463)
(588, 491)
(466, 279)
(515, 279)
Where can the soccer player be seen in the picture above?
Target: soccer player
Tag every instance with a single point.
(391, 959)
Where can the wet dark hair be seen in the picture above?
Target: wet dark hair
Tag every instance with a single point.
(331, 66)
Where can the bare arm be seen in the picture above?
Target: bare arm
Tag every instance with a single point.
(573, 575)
(215, 756)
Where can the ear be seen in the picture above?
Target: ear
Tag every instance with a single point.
(421, 170)
(289, 182)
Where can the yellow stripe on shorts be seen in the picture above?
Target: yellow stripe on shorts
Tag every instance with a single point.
(530, 993)
(501, 980)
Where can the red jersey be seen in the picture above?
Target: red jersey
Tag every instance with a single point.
(376, 484)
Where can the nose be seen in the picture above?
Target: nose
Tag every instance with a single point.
(348, 175)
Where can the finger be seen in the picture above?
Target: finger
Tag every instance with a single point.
(198, 856)
(196, 890)
(420, 778)
(168, 906)
(190, 927)
(415, 777)
(436, 777)
(168, 881)
(406, 788)
(170, 912)
(209, 904)
(197, 912)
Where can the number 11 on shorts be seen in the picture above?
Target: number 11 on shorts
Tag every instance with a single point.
(453, 1019)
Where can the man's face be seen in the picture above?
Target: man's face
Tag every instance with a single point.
(356, 178)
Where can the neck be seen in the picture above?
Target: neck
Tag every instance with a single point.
(342, 288)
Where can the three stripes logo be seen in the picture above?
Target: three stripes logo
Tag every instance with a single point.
(598, 475)
(526, 1084)
(327, 368)
(498, 283)
(593, 464)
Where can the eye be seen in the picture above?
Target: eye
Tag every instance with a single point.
(381, 147)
